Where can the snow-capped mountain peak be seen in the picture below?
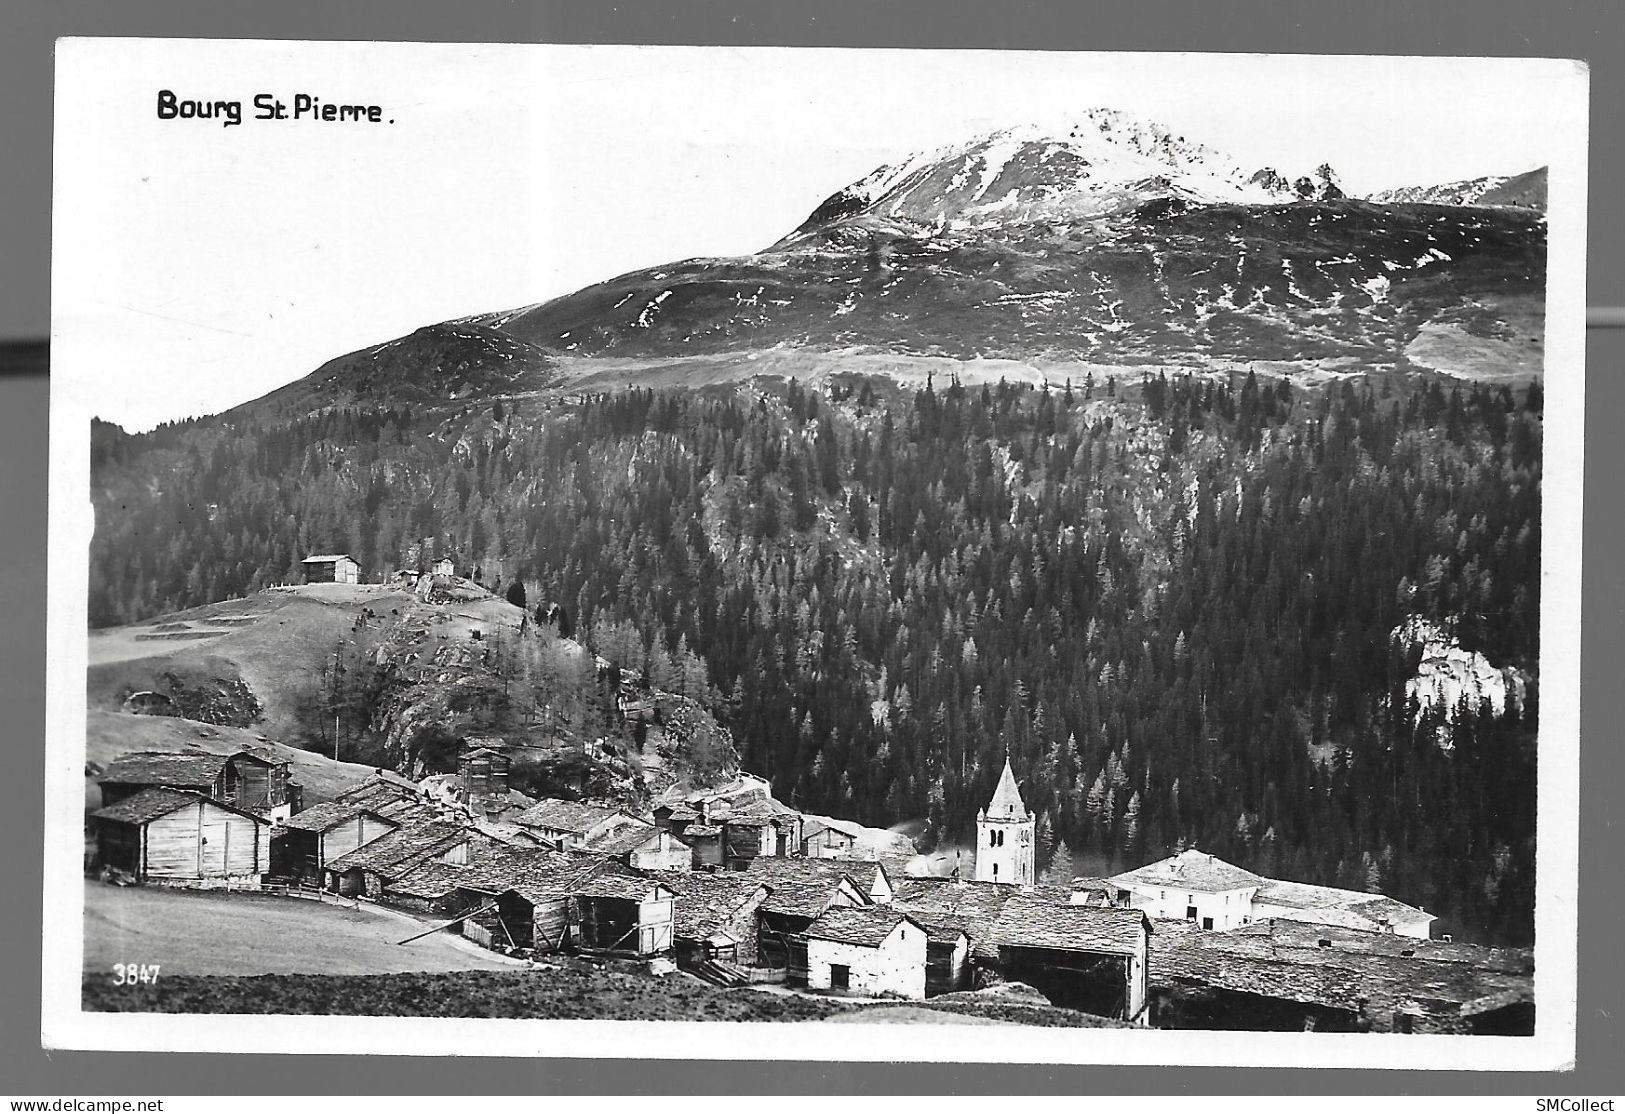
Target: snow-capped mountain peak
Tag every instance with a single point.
(1097, 163)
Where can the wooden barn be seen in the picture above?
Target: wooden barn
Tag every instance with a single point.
(180, 836)
(947, 953)
(872, 951)
(515, 897)
(331, 568)
(444, 567)
(759, 828)
(623, 914)
(307, 841)
(242, 779)
(1077, 956)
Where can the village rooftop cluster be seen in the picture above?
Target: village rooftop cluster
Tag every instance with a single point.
(728, 885)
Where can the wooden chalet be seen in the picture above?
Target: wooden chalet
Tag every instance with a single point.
(1079, 957)
(1289, 976)
(242, 779)
(182, 836)
(307, 841)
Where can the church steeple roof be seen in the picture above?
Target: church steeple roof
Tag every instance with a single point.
(1007, 802)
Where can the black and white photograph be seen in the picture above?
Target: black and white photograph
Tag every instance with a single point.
(982, 556)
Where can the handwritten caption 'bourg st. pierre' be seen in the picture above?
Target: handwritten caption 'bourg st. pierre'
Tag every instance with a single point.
(267, 106)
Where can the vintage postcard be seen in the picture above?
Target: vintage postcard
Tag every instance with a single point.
(983, 556)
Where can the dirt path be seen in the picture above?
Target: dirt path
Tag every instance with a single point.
(199, 933)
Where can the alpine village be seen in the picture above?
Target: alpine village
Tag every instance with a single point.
(1071, 580)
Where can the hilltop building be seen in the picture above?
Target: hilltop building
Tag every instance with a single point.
(331, 568)
(1004, 836)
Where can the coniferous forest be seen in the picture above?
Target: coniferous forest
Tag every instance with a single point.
(1171, 600)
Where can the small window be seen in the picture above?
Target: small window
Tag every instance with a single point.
(995, 870)
(840, 976)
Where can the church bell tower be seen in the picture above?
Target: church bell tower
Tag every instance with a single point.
(1004, 835)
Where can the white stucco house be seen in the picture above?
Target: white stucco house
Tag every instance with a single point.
(1213, 894)
(1191, 886)
(872, 951)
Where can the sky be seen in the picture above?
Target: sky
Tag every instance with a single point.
(197, 266)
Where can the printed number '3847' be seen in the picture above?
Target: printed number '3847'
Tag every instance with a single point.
(128, 974)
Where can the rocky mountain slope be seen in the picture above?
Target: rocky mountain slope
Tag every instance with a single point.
(1520, 191)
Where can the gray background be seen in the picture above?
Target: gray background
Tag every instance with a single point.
(1452, 27)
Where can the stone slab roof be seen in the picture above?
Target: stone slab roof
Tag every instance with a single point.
(534, 873)
(707, 901)
(973, 906)
(177, 770)
(1371, 908)
(150, 804)
(328, 815)
(566, 816)
(624, 841)
(395, 854)
(391, 797)
(1190, 870)
(1029, 921)
(868, 927)
(1353, 970)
